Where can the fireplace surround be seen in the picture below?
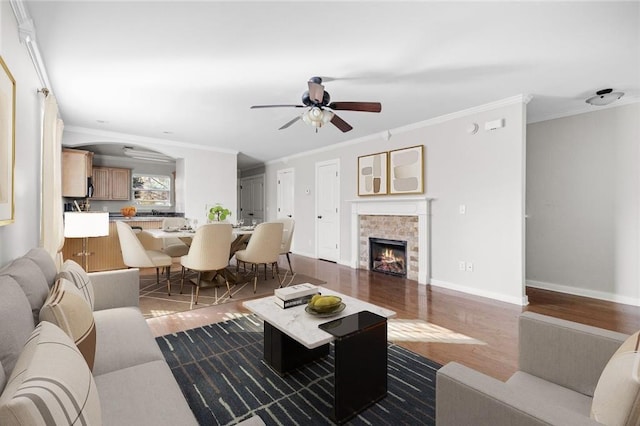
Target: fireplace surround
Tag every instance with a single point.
(414, 210)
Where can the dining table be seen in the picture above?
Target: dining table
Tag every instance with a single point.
(241, 235)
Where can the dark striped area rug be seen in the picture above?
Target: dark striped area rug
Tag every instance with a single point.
(225, 380)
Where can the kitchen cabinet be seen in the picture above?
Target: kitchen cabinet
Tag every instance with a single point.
(111, 183)
(77, 170)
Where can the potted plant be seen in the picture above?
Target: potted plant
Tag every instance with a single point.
(218, 213)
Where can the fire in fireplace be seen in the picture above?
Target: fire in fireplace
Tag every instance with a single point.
(388, 256)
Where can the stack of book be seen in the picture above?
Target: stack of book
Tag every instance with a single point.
(295, 295)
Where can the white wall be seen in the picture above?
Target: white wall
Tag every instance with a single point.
(583, 204)
(484, 171)
(203, 176)
(17, 238)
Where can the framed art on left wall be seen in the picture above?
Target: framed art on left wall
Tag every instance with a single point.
(372, 174)
(7, 143)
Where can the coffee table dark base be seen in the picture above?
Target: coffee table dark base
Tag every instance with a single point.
(284, 354)
(360, 371)
(360, 366)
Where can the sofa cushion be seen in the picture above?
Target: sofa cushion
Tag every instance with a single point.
(16, 324)
(51, 383)
(73, 272)
(123, 339)
(43, 259)
(145, 394)
(616, 400)
(67, 308)
(32, 281)
(546, 394)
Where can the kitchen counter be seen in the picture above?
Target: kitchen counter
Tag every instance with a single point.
(144, 216)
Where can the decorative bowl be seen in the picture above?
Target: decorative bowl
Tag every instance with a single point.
(128, 211)
(325, 304)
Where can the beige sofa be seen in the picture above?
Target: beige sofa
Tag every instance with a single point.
(569, 374)
(130, 384)
(133, 381)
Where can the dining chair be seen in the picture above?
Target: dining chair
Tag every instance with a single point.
(209, 251)
(174, 247)
(135, 255)
(287, 236)
(263, 249)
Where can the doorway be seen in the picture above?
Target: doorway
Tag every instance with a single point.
(328, 210)
(285, 192)
(252, 199)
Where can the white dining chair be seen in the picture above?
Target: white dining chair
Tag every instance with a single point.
(174, 247)
(263, 249)
(287, 236)
(135, 255)
(209, 251)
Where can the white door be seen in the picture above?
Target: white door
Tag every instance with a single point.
(252, 199)
(327, 210)
(285, 179)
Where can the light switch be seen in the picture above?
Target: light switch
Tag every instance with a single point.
(463, 209)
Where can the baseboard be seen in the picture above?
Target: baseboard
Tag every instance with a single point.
(301, 253)
(476, 292)
(577, 291)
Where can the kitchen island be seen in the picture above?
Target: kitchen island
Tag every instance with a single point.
(106, 253)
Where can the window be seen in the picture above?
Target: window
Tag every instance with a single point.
(152, 190)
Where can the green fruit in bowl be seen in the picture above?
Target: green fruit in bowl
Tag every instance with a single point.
(325, 303)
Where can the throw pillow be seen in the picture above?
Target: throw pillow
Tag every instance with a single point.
(32, 281)
(66, 308)
(75, 273)
(16, 324)
(616, 400)
(51, 384)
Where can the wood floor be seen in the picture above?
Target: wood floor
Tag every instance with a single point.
(491, 322)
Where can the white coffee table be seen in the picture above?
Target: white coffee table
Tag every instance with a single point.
(292, 338)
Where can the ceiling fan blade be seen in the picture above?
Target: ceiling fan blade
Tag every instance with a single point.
(289, 123)
(277, 106)
(356, 106)
(316, 91)
(340, 123)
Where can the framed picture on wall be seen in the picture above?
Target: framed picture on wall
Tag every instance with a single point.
(406, 170)
(372, 174)
(7, 143)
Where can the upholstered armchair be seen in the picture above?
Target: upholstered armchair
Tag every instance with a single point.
(569, 374)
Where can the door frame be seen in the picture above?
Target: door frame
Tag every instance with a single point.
(240, 182)
(319, 164)
(278, 174)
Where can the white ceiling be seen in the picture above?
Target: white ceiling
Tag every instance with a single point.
(193, 69)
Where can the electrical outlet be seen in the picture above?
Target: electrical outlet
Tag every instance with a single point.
(462, 265)
(462, 208)
(469, 267)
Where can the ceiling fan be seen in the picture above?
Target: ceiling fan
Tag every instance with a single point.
(319, 103)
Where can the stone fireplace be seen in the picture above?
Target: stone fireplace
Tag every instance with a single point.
(404, 219)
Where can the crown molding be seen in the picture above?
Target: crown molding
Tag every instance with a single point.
(518, 99)
(586, 109)
(116, 137)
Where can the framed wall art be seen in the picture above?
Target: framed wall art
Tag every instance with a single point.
(372, 174)
(7, 143)
(406, 170)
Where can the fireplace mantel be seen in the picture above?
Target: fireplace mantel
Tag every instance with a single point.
(395, 206)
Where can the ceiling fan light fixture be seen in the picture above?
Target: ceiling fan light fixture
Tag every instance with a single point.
(317, 117)
(604, 97)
